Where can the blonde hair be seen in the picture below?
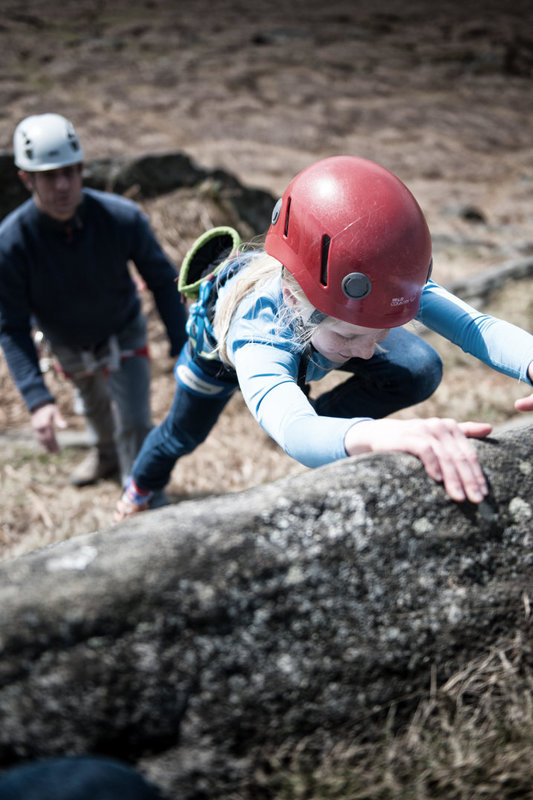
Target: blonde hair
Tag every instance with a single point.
(260, 270)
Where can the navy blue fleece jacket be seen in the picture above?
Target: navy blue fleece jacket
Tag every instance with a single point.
(73, 280)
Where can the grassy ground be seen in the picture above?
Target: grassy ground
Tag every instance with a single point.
(470, 739)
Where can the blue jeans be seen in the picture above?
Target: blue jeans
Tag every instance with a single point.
(76, 778)
(189, 421)
(407, 372)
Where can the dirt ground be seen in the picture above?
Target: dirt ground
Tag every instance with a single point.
(439, 93)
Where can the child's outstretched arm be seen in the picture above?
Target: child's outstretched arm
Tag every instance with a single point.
(441, 444)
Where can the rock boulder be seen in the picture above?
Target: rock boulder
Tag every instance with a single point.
(195, 639)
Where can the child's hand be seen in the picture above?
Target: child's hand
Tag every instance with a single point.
(441, 444)
(526, 403)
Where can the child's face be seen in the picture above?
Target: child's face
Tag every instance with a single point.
(339, 341)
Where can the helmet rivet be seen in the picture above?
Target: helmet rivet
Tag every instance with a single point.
(356, 285)
(276, 211)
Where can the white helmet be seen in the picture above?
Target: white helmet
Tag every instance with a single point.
(46, 141)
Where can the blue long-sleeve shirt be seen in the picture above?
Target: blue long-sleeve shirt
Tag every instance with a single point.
(267, 361)
(73, 280)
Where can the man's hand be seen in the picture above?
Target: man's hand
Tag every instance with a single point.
(44, 420)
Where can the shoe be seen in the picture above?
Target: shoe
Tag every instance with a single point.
(159, 499)
(133, 501)
(125, 509)
(94, 467)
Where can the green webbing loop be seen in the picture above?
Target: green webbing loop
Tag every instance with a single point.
(206, 257)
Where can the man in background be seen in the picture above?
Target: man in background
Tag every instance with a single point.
(64, 267)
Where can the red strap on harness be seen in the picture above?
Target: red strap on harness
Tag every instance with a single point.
(143, 351)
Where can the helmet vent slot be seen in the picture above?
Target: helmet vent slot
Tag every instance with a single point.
(324, 257)
(287, 215)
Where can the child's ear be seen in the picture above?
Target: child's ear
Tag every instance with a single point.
(289, 296)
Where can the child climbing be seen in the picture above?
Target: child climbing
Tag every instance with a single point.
(346, 264)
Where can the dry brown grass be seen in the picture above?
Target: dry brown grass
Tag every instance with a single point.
(470, 739)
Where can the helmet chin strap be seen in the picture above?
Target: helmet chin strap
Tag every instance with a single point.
(316, 317)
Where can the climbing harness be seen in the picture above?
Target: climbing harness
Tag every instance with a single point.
(208, 265)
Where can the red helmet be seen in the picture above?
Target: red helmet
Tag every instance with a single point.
(355, 239)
